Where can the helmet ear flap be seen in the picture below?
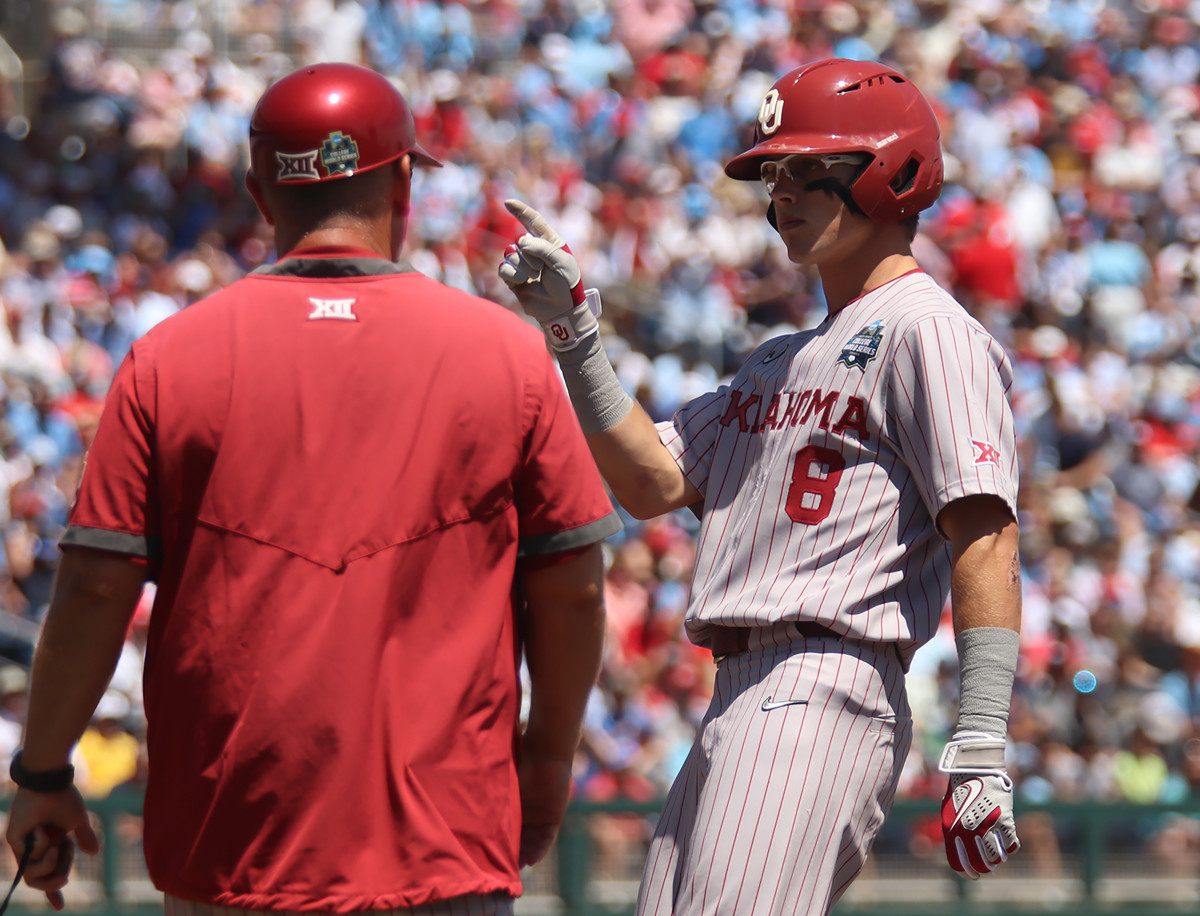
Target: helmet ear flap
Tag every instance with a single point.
(904, 179)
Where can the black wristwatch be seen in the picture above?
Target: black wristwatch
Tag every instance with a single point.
(40, 781)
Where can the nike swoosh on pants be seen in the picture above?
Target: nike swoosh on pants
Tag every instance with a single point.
(767, 705)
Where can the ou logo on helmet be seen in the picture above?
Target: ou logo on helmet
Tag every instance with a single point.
(770, 115)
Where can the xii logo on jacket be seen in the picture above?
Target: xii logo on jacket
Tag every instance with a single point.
(340, 309)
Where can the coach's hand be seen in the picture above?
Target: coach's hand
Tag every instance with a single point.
(977, 812)
(48, 821)
(545, 789)
(543, 274)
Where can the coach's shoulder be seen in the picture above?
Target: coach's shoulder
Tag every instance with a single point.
(188, 319)
(486, 316)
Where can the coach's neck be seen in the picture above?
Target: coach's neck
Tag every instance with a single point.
(368, 210)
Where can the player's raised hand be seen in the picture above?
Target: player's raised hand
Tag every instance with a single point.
(977, 812)
(543, 274)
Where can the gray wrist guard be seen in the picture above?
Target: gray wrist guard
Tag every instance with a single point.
(597, 396)
(987, 658)
(973, 753)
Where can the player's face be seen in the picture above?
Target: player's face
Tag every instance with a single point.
(814, 222)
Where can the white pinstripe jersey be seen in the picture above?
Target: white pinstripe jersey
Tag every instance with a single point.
(824, 463)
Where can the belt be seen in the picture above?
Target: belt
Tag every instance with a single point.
(727, 641)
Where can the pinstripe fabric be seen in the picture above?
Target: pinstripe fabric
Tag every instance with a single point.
(775, 810)
(471, 905)
(787, 533)
(823, 465)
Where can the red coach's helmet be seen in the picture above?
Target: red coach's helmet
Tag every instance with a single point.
(330, 121)
(844, 106)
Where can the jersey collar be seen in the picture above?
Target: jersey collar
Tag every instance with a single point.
(865, 293)
(333, 261)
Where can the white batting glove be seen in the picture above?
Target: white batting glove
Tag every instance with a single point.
(543, 274)
(977, 812)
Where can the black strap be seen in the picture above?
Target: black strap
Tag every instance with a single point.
(20, 873)
(40, 780)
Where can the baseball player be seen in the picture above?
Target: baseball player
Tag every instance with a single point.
(361, 494)
(850, 477)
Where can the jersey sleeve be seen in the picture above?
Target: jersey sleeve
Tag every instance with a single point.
(561, 500)
(950, 413)
(116, 505)
(691, 435)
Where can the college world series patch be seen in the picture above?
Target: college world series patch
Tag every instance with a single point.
(862, 347)
(339, 154)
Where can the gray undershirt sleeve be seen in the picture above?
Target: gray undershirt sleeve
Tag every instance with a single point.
(596, 394)
(987, 658)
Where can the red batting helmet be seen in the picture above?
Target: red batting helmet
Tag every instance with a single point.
(844, 106)
(330, 121)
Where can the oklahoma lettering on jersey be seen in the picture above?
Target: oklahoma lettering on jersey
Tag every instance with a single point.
(826, 460)
(802, 406)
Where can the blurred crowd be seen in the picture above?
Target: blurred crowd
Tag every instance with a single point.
(1069, 224)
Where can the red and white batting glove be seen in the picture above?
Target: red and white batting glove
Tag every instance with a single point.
(543, 274)
(977, 812)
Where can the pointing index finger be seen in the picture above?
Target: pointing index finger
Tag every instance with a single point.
(533, 221)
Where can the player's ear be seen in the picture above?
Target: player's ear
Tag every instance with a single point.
(401, 198)
(254, 186)
(402, 187)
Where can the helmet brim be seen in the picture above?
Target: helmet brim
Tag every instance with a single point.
(421, 156)
(747, 166)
